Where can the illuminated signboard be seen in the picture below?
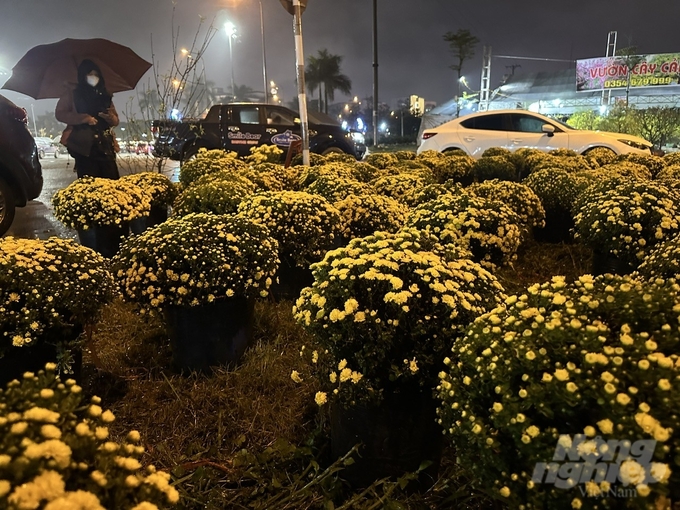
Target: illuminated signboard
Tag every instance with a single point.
(613, 72)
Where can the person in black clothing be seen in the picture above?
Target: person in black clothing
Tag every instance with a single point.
(90, 116)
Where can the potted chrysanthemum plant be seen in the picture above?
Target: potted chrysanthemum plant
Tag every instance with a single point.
(49, 291)
(202, 271)
(566, 396)
(382, 312)
(101, 210)
(306, 226)
(163, 193)
(56, 452)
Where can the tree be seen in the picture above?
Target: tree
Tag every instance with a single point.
(313, 76)
(324, 69)
(462, 45)
(180, 89)
(245, 93)
(619, 119)
(657, 124)
(587, 119)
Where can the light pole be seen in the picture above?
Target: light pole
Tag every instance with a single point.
(264, 57)
(461, 80)
(35, 130)
(375, 73)
(231, 33)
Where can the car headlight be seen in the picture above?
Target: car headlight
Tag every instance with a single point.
(636, 145)
(358, 137)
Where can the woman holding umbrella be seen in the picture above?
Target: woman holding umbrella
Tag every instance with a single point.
(89, 114)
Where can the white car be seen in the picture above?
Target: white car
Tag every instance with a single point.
(516, 129)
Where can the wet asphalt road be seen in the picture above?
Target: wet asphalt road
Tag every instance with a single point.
(36, 220)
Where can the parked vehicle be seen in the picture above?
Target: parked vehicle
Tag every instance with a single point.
(144, 148)
(20, 171)
(240, 126)
(47, 146)
(515, 129)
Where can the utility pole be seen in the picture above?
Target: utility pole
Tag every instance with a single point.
(296, 8)
(264, 58)
(35, 129)
(512, 68)
(375, 73)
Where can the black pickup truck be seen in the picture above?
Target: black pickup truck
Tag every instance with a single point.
(240, 126)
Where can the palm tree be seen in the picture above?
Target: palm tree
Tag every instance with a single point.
(332, 78)
(246, 93)
(313, 76)
(324, 69)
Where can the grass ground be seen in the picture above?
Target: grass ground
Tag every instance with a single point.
(251, 437)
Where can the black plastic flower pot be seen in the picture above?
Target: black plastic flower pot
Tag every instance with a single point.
(396, 438)
(208, 335)
(291, 280)
(103, 239)
(606, 263)
(558, 228)
(158, 214)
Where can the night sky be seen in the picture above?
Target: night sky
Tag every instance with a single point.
(413, 58)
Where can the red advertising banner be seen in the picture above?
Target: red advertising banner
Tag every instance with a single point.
(614, 72)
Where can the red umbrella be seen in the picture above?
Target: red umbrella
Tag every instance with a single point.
(47, 71)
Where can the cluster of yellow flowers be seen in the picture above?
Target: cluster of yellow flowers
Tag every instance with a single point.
(363, 215)
(91, 201)
(161, 189)
(385, 307)
(525, 373)
(48, 287)
(626, 217)
(56, 454)
(305, 225)
(334, 188)
(490, 228)
(209, 162)
(196, 259)
(519, 197)
(264, 154)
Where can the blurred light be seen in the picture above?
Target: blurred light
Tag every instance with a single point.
(360, 124)
(356, 99)
(383, 126)
(175, 114)
(230, 29)
(344, 124)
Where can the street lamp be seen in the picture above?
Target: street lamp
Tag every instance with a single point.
(231, 33)
(264, 56)
(461, 80)
(274, 91)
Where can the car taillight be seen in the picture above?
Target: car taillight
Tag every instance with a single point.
(428, 135)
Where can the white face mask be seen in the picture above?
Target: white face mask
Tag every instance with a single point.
(93, 80)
